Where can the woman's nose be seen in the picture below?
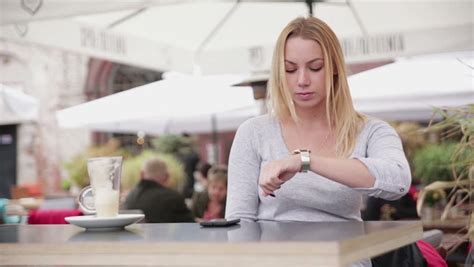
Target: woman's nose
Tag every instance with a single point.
(303, 78)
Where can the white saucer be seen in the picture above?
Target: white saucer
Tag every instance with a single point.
(91, 222)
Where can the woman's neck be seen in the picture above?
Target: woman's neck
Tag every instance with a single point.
(312, 118)
(215, 204)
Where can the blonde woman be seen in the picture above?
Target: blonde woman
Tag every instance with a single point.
(313, 157)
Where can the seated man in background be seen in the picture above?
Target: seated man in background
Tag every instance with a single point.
(159, 203)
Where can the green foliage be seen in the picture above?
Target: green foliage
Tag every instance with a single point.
(77, 171)
(169, 144)
(131, 171)
(172, 144)
(433, 162)
(459, 122)
(433, 197)
(77, 167)
(66, 184)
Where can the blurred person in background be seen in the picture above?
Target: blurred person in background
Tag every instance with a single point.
(200, 176)
(159, 203)
(190, 158)
(210, 204)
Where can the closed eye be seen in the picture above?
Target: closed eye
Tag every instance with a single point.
(315, 69)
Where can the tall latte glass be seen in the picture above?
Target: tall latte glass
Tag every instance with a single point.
(104, 176)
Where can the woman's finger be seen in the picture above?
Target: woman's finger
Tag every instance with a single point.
(274, 184)
(266, 191)
(276, 181)
(267, 188)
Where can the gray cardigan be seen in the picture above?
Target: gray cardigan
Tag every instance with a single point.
(309, 196)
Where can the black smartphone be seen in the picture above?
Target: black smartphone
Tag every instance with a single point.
(219, 223)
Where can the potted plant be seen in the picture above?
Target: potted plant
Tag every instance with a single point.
(456, 121)
(434, 162)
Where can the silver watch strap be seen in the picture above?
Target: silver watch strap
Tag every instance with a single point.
(305, 159)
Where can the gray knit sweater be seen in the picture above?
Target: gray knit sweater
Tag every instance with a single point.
(309, 196)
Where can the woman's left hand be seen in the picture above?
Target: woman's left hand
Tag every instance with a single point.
(277, 172)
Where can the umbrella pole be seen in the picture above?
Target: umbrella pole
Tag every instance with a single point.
(309, 3)
(215, 138)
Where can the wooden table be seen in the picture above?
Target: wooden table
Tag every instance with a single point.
(447, 226)
(187, 244)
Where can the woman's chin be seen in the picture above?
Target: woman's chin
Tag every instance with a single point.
(307, 104)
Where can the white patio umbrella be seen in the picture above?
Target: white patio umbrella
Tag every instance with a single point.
(16, 106)
(238, 36)
(14, 11)
(211, 123)
(175, 105)
(410, 88)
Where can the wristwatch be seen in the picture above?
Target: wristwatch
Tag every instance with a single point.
(305, 159)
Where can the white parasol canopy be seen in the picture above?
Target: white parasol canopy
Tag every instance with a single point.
(16, 106)
(410, 88)
(238, 36)
(175, 105)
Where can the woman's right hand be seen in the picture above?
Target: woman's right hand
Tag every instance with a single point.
(275, 173)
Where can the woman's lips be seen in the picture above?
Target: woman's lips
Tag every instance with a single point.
(305, 95)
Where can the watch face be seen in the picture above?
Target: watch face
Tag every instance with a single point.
(299, 151)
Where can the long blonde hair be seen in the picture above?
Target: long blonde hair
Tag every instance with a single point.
(340, 112)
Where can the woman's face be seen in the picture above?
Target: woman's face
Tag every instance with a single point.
(305, 68)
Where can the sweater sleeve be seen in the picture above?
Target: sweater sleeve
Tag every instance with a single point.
(244, 169)
(386, 161)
